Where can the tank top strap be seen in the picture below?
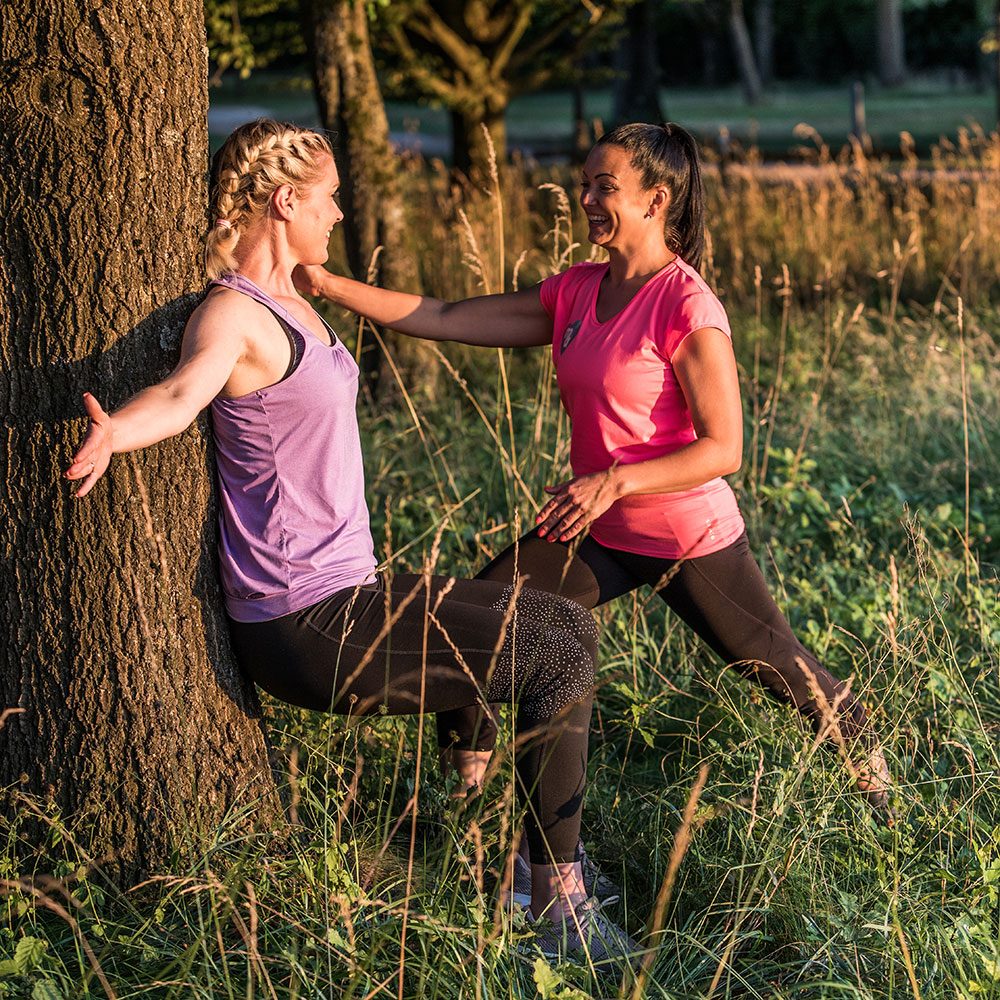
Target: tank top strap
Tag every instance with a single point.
(241, 284)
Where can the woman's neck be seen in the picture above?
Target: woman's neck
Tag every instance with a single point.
(631, 265)
(267, 261)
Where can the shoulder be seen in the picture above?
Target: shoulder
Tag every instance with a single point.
(690, 300)
(565, 284)
(682, 281)
(583, 271)
(225, 313)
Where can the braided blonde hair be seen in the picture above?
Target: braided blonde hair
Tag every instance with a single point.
(254, 161)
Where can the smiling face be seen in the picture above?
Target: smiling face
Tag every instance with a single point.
(316, 213)
(614, 200)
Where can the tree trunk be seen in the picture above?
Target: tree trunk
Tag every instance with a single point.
(745, 62)
(637, 69)
(710, 47)
(131, 714)
(470, 149)
(891, 50)
(351, 106)
(583, 137)
(764, 39)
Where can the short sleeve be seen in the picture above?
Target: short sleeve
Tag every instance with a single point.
(548, 291)
(694, 312)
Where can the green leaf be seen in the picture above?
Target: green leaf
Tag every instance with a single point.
(28, 954)
(45, 989)
(546, 978)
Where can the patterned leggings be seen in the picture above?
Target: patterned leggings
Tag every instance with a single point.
(442, 645)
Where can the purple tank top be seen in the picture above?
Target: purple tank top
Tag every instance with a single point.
(293, 522)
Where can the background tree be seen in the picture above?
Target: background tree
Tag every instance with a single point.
(712, 17)
(891, 47)
(474, 56)
(133, 715)
(763, 38)
(351, 106)
(637, 67)
(743, 50)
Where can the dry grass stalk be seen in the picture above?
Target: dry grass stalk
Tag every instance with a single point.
(682, 841)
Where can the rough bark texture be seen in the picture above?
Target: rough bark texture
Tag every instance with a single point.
(351, 106)
(637, 69)
(745, 62)
(891, 53)
(133, 715)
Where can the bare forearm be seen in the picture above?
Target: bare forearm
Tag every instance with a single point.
(513, 320)
(688, 467)
(152, 415)
(417, 315)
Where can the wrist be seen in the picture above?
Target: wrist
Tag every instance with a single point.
(621, 485)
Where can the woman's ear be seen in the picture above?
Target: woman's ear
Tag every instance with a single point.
(282, 202)
(658, 203)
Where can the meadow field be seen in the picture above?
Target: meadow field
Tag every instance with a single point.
(865, 304)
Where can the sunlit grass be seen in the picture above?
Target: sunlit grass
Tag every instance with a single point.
(854, 488)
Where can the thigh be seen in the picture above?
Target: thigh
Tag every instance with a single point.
(587, 572)
(433, 644)
(414, 644)
(723, 596)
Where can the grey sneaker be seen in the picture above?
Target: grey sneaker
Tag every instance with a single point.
(591, 935)
(519, 891)
(603, 889)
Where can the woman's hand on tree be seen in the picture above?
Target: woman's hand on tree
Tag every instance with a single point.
(93, 456)
(575, 503)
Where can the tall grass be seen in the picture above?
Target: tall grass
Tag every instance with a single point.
(864, 308)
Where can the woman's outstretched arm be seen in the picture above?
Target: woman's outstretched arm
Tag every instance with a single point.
(211, 348)
(515, 319)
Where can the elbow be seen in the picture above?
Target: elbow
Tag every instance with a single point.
(732, 461)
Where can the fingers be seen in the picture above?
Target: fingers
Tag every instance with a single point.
(565, 515)
(87, 484)
(93, 408)
(91, 459)
(553, 512)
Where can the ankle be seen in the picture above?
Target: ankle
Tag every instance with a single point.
(556, 890)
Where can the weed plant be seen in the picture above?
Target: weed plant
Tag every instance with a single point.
(865, 315)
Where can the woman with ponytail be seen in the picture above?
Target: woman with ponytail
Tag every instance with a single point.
(312, 622)
(646, 371)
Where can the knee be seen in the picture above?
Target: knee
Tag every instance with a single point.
(566, 676)
(566, 615)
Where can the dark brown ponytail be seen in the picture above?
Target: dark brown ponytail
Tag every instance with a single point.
(668, 155)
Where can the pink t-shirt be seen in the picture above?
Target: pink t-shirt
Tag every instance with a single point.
(626, 405)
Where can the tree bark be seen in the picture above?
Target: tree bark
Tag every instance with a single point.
(637, 68)
(745, 62)
(891, 49)
(351, 106)
(132, 714)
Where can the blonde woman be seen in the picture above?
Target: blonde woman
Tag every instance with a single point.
(311, 620)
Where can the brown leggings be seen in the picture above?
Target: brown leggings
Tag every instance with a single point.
(722, 596)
